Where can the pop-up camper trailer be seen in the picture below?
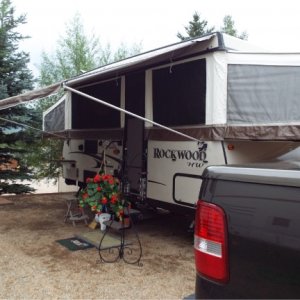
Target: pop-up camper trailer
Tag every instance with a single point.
(230, 103)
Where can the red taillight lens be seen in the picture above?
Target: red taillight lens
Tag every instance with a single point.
(210, 243)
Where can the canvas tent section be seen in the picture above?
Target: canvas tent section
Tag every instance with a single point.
(168, 86)
(75, 112)
(263, 93)
(57, 118)
(86, 113)
(172, 85)
(54, 118)
(215, 87)
(149, 85)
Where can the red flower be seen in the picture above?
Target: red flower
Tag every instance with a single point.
(113, 199)
(97, 178)
(106, 186)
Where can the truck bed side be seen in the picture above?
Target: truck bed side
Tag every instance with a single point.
(263, 237)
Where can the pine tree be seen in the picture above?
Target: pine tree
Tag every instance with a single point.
(15, 78)
(196, 27)
(229, 28)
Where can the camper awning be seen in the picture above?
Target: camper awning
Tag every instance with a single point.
(154, 56)
(169, 53)
(32, 95)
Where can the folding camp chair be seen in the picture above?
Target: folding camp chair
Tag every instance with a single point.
(74, 212)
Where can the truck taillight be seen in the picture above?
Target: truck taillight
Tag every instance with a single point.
(210, 242)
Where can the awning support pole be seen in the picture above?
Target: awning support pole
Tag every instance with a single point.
(129, 113)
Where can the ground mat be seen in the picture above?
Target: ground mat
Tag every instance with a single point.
(75, 243)
(94, 237)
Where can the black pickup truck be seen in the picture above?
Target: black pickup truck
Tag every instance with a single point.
(247, 232)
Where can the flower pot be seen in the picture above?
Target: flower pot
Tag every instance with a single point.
(102, 218)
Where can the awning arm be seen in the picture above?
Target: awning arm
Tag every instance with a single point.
(129, 113)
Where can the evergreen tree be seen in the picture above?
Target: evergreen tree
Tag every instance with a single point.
(229, 28)
(196, 27)
(15, 78)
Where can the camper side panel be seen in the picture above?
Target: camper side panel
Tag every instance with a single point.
(175, 168)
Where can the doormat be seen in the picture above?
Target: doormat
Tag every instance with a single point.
(75, 243)
(94, 237)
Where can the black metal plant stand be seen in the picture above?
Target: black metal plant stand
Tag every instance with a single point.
(131, 253)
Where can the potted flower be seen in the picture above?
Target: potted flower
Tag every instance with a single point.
(102, 194)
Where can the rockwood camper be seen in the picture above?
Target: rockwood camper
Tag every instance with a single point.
(160, 118)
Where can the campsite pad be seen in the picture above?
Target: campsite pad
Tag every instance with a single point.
(94, 237)
(75, 243)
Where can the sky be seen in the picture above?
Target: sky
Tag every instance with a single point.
(273, 25)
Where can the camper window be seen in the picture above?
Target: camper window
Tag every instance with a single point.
(54, 120)
(259, 94)
(88, 114)
(135, 93)
(179, 94)
(91, 146)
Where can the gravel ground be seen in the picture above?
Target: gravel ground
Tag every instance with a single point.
(33, 265)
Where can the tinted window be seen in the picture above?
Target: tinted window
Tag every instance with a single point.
(55, 119)
(135, 93)
(88, 114)
(91, 146)
(179, 94)
(263, 94)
